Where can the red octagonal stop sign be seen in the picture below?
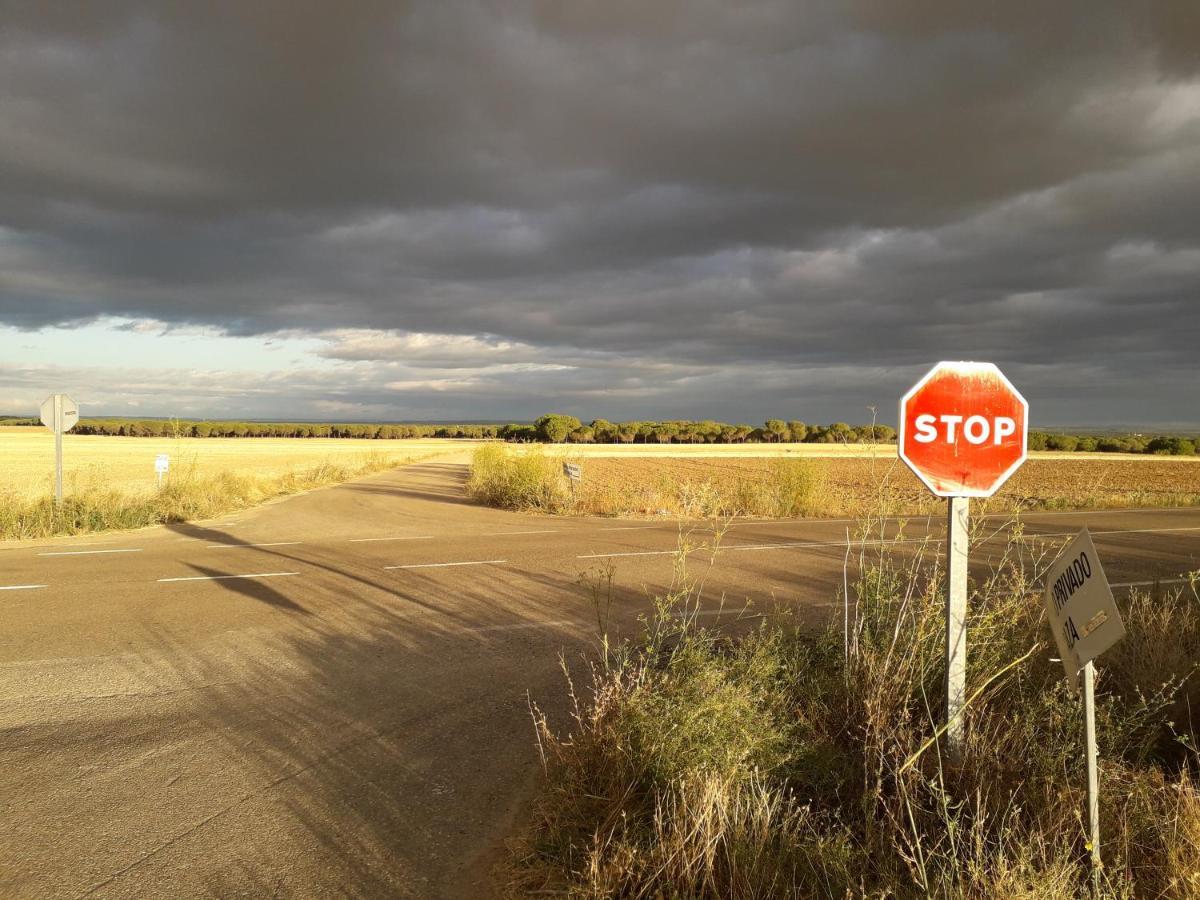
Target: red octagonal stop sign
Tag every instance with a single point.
(963, 429)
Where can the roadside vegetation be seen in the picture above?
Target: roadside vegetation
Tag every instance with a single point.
(532, 478)
(767, 760)
(91, 505)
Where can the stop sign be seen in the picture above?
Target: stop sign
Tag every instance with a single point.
(963, 429)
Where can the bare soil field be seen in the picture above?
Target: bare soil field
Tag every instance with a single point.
(846, 485)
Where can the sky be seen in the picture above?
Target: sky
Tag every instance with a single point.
(445, 210)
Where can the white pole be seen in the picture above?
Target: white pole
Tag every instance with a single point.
(1093, 776)
(58, 449)
(957, 538)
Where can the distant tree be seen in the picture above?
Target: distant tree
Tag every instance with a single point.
(797, 431)
(1038, 440)
(554, 427)
(776, 428)
(1065, 443)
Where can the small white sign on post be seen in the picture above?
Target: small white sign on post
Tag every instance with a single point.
(1083, 616)
(1086, 622)
(162, 465)
(572, 471)
(60, 414)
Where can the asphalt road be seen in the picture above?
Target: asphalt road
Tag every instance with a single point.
(328, 695)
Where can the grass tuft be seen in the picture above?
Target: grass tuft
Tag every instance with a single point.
(529, 480)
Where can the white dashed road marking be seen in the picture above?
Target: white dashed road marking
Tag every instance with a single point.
(89, 552)
(476, 562)
(510, 533)
(242, 546)
(423, 537)
(1129, 584)
(222, 577)
(20, 587)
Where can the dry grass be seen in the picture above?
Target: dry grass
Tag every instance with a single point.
(783, 763)
(110, 481)
(127, 463)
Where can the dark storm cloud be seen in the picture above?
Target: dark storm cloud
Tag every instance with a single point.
(760, 196)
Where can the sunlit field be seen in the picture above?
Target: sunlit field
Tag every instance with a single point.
(127, 463)
(813, 451)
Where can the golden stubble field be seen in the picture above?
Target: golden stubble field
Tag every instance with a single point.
(127, 463)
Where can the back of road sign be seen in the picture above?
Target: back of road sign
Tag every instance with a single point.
(1079, 602)
(59, 413)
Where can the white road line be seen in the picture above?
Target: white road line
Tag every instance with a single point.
(89, 552)
(876, 541)
(222, 577)
(634, 553)
(510, 533)
(525, 625)
(240, 546)
(733, 547)
(477, 562)
(1128, 584)
(20, 587)
(1052, 534)
(423, 537)
(635, 527)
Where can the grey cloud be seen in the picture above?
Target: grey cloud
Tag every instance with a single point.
(734, 189)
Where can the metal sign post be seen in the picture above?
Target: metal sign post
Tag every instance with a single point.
(60, 414)
(957, 543)
(963, 431)
(1085, 621)
(1093, 773)
(574, 475)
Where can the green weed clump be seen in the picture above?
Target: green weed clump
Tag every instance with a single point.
(791, 763)
(185, 496)
(529, 480)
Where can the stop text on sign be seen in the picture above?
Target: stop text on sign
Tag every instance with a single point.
(963, 429)
(975, 429)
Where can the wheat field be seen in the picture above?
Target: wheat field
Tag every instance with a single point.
(127, 463)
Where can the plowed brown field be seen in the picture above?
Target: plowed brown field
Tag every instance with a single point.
(846, 486)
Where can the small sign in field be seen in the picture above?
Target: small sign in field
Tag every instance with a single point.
(162, 465)
(573, 471)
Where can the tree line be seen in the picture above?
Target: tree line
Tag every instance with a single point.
(204, 429)
(558, 428)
